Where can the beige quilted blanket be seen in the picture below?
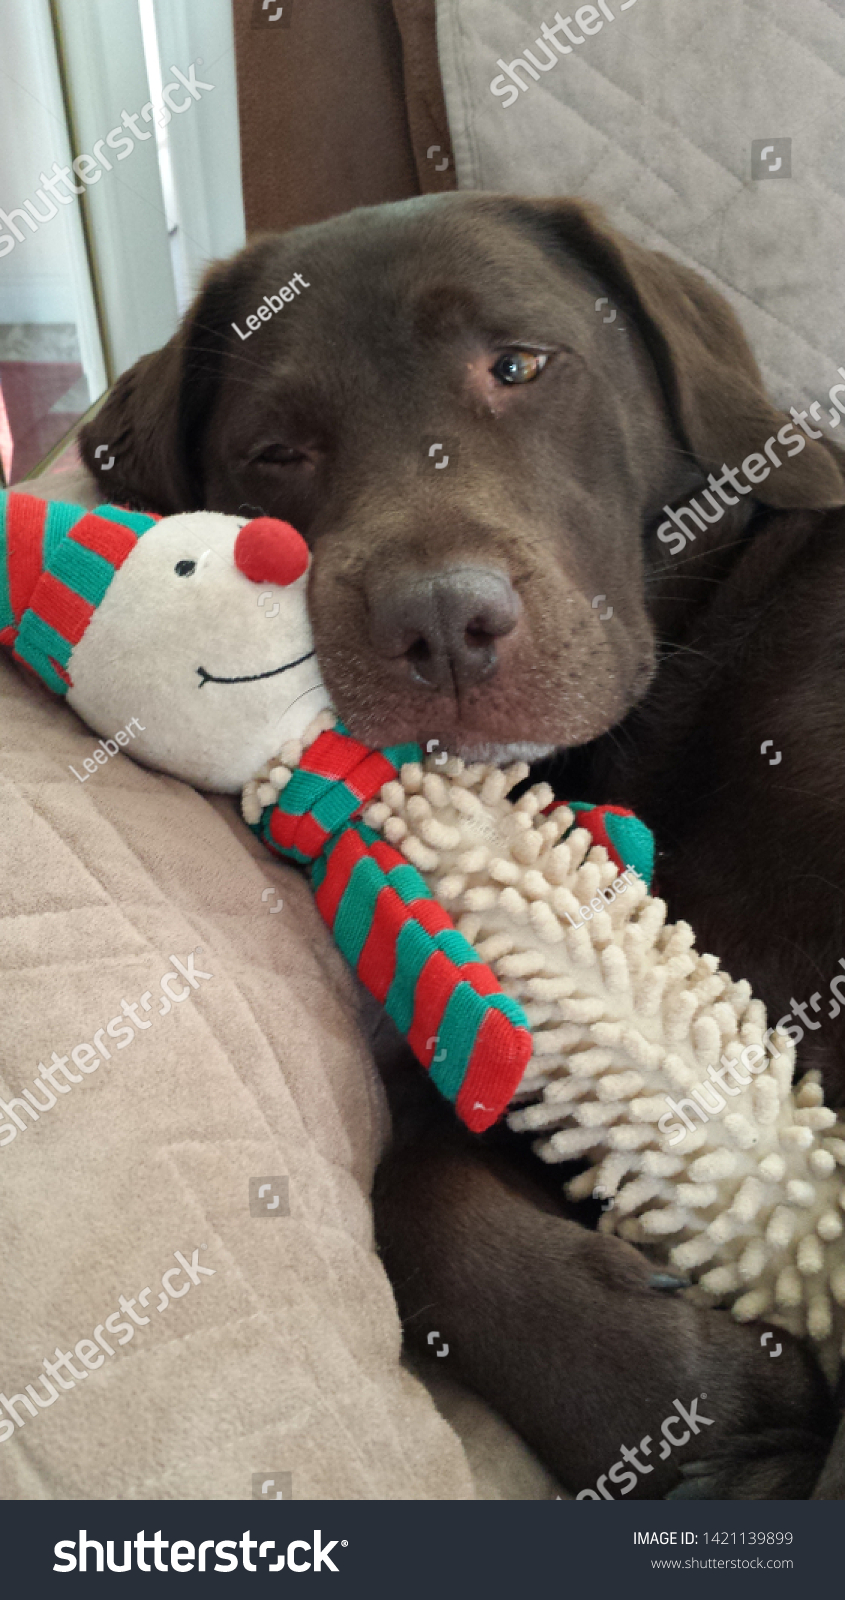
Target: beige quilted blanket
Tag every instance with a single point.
(173, 1332)
(710, 129)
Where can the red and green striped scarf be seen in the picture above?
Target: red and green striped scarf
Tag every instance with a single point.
(472, 1038)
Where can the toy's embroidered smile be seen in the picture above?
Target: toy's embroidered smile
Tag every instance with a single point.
(208, 677)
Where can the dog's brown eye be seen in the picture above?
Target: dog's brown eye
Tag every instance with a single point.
(519, 366)
(279, 455)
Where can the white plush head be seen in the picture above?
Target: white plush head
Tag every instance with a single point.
(201, 640)
(198, 645)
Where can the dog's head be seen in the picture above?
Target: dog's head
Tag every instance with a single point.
(475, 409)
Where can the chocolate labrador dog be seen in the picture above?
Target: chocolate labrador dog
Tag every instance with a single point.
(325, 376)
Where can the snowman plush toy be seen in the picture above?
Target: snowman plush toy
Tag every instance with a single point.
(195, 626)
(515, 945)
(194, 630)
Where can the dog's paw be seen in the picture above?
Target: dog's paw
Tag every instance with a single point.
(782, 1464)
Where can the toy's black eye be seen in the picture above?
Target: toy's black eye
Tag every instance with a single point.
(519, 366)
(183, 569)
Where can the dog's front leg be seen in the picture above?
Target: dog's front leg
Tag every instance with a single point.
(569, 1335)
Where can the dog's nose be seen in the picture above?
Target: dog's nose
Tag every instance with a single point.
(445, 623)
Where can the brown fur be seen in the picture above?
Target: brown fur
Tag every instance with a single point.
(556, 488)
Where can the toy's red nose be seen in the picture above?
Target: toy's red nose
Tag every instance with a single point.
(269, 551)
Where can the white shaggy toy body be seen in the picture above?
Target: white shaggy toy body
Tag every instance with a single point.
(626, 1014)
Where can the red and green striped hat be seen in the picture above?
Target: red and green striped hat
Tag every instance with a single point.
(56, 563)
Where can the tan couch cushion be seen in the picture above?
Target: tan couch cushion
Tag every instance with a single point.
(286, 1359)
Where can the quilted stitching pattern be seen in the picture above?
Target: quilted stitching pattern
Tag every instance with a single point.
(654, 118)
(287, 1359)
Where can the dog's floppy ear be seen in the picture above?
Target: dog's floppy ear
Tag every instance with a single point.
(152, 423)
(712, 382)
(132, 444)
